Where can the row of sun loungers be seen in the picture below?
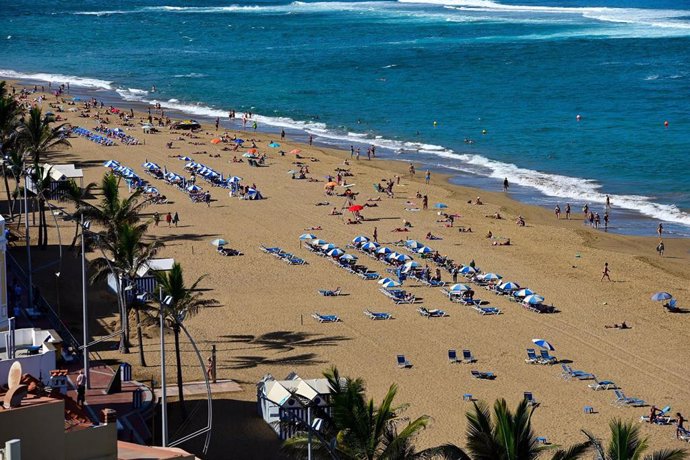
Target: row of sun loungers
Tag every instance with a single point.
(119, 134)
(93, 137)
(543, 358)
(282, 255)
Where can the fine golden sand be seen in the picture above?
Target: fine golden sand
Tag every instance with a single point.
(263, 324)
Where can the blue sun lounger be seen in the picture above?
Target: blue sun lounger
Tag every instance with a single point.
(325, 318)
(434, 313)
(487, 310)
(622, 400)
(661, 418)
(467, 357)
(402, 362)
(377, 315)
(568, 373)
(453, 356)
(546, 358)
(602, 384)
(329, 293)
(529, 397)
(532, 357)
(483, 375)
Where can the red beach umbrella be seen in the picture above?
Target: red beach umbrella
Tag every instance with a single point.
(355, 208)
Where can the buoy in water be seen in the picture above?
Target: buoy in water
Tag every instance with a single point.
(666, 124)
(484, 131)
(578, 117)
(435, 124)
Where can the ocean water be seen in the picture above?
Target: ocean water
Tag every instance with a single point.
(382, 72)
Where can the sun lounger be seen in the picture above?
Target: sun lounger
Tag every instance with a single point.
(672, 306)
(532, 357)
(467, 357)
(325, 318)
(622, 400)
(487, 310)
(568, 373)
(402, 362)
(397, 295)
(434, 313)
(602, 385)
(684, 435)
(546, 358)
(294, 260)
(453, 356)
(661, 418)
(469, 302)
(483, 375)
(377, 315)
(328, 293)
(529, 397)
(269, 250)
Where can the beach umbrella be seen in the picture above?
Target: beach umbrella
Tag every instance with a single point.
(239, 141)
(661, 296)
(370, 246)
(219, 242)
(328, 246)
(111, 164)
(249, 155)
(216, 141)
(185, 159)
(467, 270)
(492, 277)
(383, 250)
(191, 165)
(253, 151)
(348, 257)
(307, 236)
(274, 145)
(385, 280)
(150, 189)
(390, 283)
(414, 244)
(543, 344)
(292, 171)
(459, 288)
(509, 286)
(524, 292)
(193, 188)
(330, 184)
(398, 257)
(234, 179)
(360, 239)
(335, 252)
(295, 151)
(424, 250)
(317, 242)
(355, 208)
(440, 206)
(412, 264)
(533, 299)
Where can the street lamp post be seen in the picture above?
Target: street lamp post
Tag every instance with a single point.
(164, 389)
(84, 304)
(28, 241)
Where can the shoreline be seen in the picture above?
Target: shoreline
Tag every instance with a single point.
(624, 221)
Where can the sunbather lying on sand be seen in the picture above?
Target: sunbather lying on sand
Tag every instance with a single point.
(503, 243)
(318, 227)
(429, 236)
(352, 222)
(378, 198)
(400, 229)
(465, 229)
(323, 203)
(335, 212)
(622, 325)
(495, 215)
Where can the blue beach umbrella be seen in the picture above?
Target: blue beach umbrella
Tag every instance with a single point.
(328, 246)
(307, 236)
(274, 145)
(234, 179)
(185, 159)
(492, 277)
(150, 189)
(414, 244)
(385, 280)
(661, 296)
(509, 286)
(543, 344)
(193, 188)
(384, 250)
(524, 292)
(317, 242)
(424, 250)
(219, 242)
(239, 141)
(412, 264)
(390, 284)
(335, 252)
(360, 239)
(370, 246)
(459, 288)
(440, 206)
(533, 299)
(348, 257)
(111, 164)
(467, 270)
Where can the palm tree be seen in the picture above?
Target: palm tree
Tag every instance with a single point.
(357, 429)
(37, 138)
(508, 435)
(184, 302)
(40, 177)
(77, 195)
(129, 253)
(626, 444)
(10, 112)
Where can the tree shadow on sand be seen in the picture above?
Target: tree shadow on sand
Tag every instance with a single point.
(285, 341)
(248, 362)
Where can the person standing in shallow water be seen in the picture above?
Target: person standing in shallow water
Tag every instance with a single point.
(505, 184)
(427, 177)
(567, 211)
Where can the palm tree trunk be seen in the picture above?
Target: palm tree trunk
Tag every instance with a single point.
(124, 345)
(10, 204)
(140, 337)
(176, 331)
(40, 225)
(76, 236)
(43, 224)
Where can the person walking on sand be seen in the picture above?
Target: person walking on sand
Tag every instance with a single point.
(168, 218)
(81, 388)
(282, 134)
(412, 171)
(680, 425)
(217, 122)
(427, 177)
(156, 218)
(660, 248)
(505, 184)
(425, 202)
(176, 218)
(376, 235)
(557, 211)
(352, 151)
(605, 273)
(567, 211)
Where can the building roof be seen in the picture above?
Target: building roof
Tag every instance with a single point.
(156, 265)
(280, 391)
(131, 451)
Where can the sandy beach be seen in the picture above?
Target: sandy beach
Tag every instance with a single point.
(263, 322)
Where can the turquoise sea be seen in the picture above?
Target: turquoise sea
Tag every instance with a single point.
(382, 72)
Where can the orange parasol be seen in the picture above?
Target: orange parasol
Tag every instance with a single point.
(295, 151)
(253, 151)
(331, 184)
(216, 141)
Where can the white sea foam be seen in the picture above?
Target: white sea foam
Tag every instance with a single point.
(57, 78)
(190, 75)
